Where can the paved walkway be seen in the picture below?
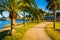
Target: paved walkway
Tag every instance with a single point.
(37, 33)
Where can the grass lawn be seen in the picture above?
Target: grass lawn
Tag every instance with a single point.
(19, 33)
(54, 33)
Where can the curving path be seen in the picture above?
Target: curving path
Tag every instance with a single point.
(37, 33)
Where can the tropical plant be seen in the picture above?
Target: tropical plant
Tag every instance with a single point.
(13, 6)
(26, 7)
(33, 12)
(43, 13)
(48, 14)
(53, 5)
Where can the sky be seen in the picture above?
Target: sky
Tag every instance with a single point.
(40, 3)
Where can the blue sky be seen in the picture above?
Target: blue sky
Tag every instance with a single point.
(40, 3)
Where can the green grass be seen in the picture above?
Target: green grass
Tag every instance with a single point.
(57, 25)
(54, 33)
(19, 33)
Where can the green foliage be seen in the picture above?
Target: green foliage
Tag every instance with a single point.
(58, 14)
(53, 4)
(23, 5)
(48, 14)
(10, 5)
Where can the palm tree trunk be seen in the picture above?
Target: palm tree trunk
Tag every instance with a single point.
(38, 20)
(54, 10)
(54, 19)
(13, 16)
(13, 25)
(30, 18)
(34, 19)
(24, 20)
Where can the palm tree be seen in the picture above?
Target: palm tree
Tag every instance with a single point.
(43, 14)
(34, 12)
(53, 5)
(34, 9)
(26, 7)
(13, 6)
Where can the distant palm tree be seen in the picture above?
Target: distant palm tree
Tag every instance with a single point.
(35, 13)
(53, 5)
(43, 14)
(13, 6)
(28, 9)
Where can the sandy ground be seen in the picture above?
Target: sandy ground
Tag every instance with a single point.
(37, 33)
